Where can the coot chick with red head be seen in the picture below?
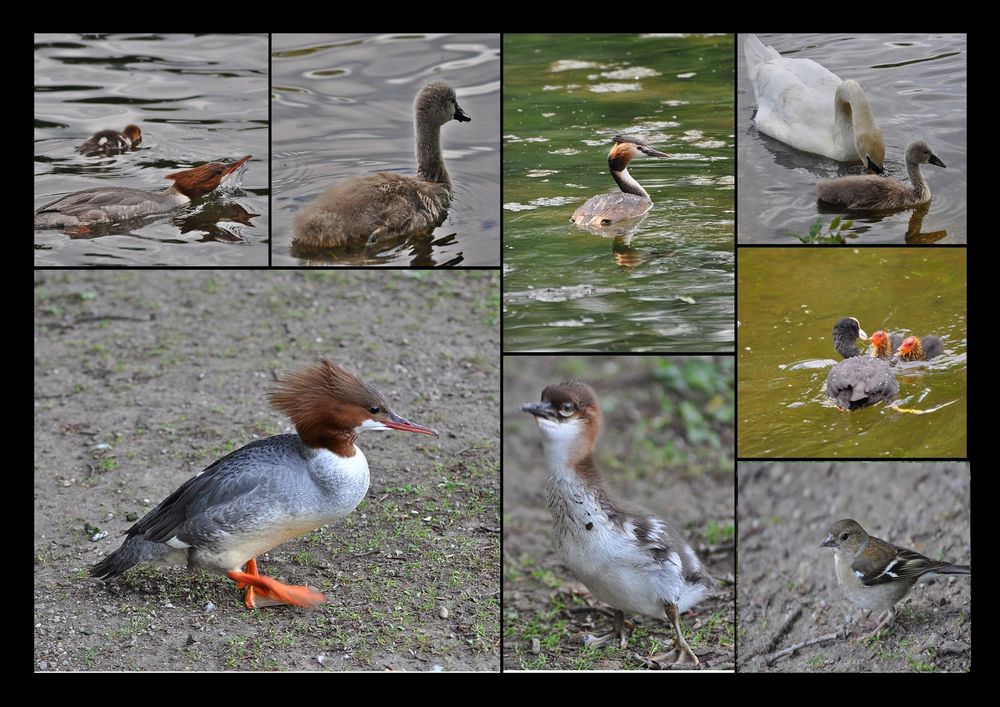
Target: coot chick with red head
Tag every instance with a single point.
(883, 344)
(857, 381)
(916, 349)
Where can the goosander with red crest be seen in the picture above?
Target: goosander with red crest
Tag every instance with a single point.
(109, 204)
(271, 490)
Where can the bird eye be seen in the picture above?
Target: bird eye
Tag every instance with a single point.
(843, 536)
(566, 409)
(374, 409)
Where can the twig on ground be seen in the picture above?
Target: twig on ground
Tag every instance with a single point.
(771, 659)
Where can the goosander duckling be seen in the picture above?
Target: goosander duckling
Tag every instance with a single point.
(386, 205)
(271, 490)
(626, 556)
(874, 193)
(109, 204)
(633, 201)
(858, 381)
(107, 142)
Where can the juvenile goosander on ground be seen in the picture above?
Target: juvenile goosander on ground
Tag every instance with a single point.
(633, 201)
(388, 205)
(858, 381)
(627, 557)
(271, 490)
(109, 204)
(107, 142)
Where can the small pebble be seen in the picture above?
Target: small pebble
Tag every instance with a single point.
(444, 612)
(321, 658)
(536, 646)
(132, 517)
(437, 668)
(209, 608)
(98, 536)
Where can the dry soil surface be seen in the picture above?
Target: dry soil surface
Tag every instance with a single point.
(788, 594)
(143, 378)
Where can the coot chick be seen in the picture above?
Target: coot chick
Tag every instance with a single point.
(916, 349)
(883, 344)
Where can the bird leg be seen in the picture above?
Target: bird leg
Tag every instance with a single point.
(263, 591)
(682, 653)
(620, 633)
(886, 620)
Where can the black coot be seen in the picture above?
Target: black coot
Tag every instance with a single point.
(857, 381)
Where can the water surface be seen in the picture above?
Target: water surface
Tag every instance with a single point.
(663, 284)
(917, 87)
(196, 98)
(343, 107)
(789, 300)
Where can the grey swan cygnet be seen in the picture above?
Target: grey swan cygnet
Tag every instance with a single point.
(633, 201)
(805, 105)
(874, 193)
(387, 205)
(858, 381)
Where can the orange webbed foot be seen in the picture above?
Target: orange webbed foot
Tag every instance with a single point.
(264, 591)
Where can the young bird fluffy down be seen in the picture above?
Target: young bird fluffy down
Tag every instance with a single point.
(627, 557)
(875, 574)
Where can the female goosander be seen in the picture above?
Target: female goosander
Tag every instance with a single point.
(858, 381)
(627, 557)
(271, 490)
(883, 344)
(874, 193)
(633, 201)
(387, 205)
(107, 204)
(916, 349)
(803, 104)
(107, 142)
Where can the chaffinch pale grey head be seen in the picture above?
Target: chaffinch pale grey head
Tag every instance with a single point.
(875, 574)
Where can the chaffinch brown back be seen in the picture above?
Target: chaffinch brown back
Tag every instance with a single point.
(875, 574)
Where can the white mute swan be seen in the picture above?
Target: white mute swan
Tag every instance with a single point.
(385, 204)
(875, 193)
(803, 104)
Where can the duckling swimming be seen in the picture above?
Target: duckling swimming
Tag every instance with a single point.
(633, 201)
(386, 205)
(874, 193)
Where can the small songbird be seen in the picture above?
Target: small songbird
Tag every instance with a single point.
(269, 491)
(626, 556)
(875, 574)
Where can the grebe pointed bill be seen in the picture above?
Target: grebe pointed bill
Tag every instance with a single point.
(633, 201)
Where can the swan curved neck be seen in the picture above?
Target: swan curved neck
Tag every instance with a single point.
(854, 124)
(430, 161)
(627, 184)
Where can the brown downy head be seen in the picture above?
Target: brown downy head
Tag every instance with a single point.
(133, 133)
(198, 181)
(329, 406)
(569, 419)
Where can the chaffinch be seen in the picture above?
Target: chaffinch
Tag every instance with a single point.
(875, 574)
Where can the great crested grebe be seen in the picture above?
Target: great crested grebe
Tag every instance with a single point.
(633, 201)
(387, 205)
(107, 142)
(876, 193)
(109, 204)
